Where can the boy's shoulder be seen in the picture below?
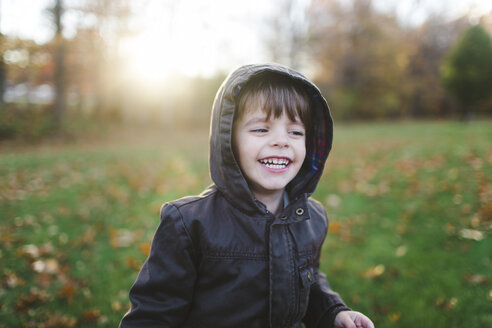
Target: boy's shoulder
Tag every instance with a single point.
(316, 208)
(190, 200)
(316, 204)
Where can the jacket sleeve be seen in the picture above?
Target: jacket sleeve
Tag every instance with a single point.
(162, 294)
(324, 304)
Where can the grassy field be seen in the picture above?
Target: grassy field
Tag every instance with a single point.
(410, 206)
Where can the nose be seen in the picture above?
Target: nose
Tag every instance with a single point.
(280, 139)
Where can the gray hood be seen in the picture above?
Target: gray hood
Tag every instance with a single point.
(224, 169)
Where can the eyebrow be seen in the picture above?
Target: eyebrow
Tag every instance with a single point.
(256, 119)
(263, 119)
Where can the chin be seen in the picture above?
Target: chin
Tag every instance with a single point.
(273, 188)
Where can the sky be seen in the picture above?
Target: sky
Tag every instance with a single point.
(204, 36)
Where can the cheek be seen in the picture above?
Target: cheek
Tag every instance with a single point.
(301, 150)
(241, 149)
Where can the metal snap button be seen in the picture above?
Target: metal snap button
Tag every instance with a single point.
(300, 211)
(283, 217)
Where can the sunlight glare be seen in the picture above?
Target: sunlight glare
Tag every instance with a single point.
(193, 38)
(149, 59)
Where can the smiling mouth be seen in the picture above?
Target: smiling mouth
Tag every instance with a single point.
(275, 163)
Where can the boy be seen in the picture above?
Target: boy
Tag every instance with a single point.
(245, 253)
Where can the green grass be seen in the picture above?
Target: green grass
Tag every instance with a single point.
(76, 221)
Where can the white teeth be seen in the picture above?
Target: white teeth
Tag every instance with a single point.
(275, 163)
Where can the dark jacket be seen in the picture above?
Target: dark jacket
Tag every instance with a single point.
(221, 259)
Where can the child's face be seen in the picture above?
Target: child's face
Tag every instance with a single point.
(270, 152)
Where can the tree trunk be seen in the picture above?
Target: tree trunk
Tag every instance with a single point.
(3, 77)
(60, 102)
(3, 73)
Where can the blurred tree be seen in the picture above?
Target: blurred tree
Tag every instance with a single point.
(2, 65)
(102, 25)
(288, 33)
(59, 78)
(361, 56)
(428, 43)
(467, 69)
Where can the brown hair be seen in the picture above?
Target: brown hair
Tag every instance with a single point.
(274, 94)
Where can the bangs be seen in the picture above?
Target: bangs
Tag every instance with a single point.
(275, 95)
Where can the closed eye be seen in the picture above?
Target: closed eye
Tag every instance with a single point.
(259, 130)
(298, 133)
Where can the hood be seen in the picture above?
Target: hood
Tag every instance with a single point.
(224, 169)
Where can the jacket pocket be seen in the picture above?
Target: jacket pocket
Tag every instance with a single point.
(307, 279)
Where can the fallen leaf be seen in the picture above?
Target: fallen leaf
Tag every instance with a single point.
(394, 317)
(35, 296)
(132, 263)
(46, 266)
(7, 238)
(88, 237)
(46, 249)
(68, 292)
(401, 251)
(145, 248)
(31, 251)
(451, 304)
(334, 227)
(63, 210)
(402, 229)
(447, 304)
(471, 234)
(449, 227)
(91, 316)
(356, 299)
(333, 200)
(476, 279)
(374, 272)
(382, 309)
(117, 306)
(13, 280)
(60, 321)
(44, 280)
(121, 238)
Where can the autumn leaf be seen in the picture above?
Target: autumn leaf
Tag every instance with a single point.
(145, 248)
(447, 305)
(44, 279)
(476, 279)
(87, 237)
(91, 316)
(374, 272)
(121, 238)
(394, 317)
(7, 238)
(60, 321)
(132, 263)
(402, 229)
(46, 266)
(63, 210)
(12, 280)
(334, 227)
(471, 234)
(116, 306)
(35, 296)
(30, 251)
(68, 292)
(333, 200)
(401, 251)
